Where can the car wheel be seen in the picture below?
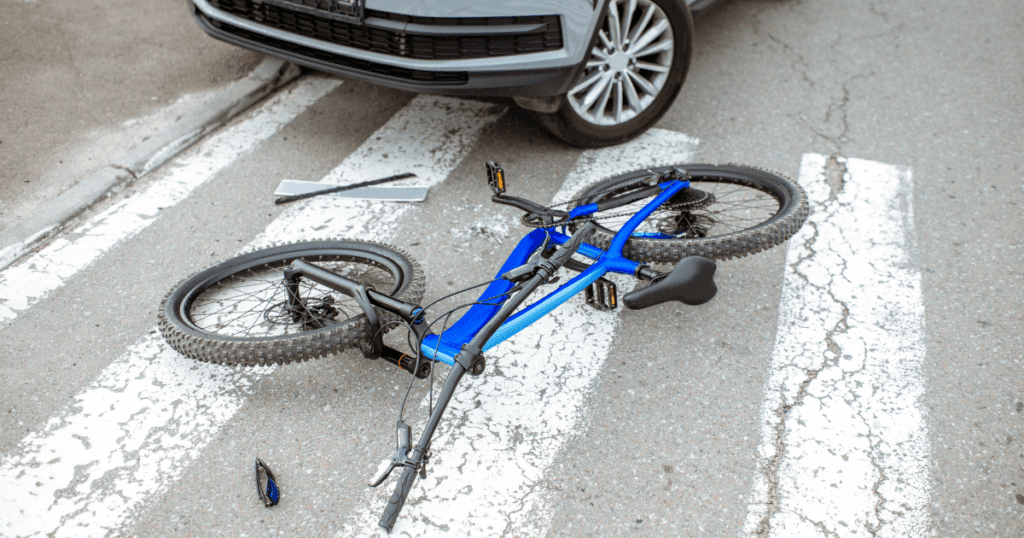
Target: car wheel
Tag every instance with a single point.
(634, 71)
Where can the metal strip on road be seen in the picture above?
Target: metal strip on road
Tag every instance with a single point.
(429, 138)
(35, 277)
(484, 477)
(844, 447)
(151, 412)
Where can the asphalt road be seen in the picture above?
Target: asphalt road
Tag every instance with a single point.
(862, 380)
(84, 81)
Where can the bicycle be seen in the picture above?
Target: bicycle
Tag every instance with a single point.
(311, 299)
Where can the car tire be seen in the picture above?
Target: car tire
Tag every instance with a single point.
(621, 91)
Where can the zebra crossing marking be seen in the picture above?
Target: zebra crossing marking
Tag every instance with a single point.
(844, 446)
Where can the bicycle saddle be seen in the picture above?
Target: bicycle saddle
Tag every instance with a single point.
(691, 282)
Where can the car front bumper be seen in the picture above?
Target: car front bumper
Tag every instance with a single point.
(380, 55)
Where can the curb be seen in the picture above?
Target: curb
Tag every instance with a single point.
(54, 216)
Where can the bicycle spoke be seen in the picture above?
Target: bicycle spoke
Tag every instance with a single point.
(256, 319)
(251, 312)
(243, 296)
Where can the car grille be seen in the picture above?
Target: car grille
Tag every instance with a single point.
(413, 75)
(410, 44)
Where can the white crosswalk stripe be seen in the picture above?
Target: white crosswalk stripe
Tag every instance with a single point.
(844, 447)
(123, 439)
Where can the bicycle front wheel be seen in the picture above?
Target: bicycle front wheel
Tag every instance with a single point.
(238, 313)
(727, 212)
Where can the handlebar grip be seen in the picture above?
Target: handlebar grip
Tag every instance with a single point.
(390, 515)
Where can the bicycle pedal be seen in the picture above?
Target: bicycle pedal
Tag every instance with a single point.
(496, 177)
(602, 295)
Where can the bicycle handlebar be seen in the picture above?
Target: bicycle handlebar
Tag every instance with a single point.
(390, 515)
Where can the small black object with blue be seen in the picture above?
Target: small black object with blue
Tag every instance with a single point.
(266, 484)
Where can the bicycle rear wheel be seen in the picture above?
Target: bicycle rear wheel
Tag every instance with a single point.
(728, 212)
(237, 312)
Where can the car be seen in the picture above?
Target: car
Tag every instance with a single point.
(593, 72)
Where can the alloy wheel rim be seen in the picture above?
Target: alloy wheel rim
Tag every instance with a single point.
(628, 66)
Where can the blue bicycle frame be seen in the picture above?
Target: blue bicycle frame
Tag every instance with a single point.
(488, 324)
(444, 348)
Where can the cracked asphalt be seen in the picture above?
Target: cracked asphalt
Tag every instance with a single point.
(699, 421)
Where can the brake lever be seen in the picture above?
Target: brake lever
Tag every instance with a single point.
(400, 457)
(550, 265)
(539, 253)
(525, 271)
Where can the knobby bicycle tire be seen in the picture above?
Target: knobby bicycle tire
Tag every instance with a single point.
(236, 313)
(754, 210)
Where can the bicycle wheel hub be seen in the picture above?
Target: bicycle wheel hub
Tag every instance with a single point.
(315, 314)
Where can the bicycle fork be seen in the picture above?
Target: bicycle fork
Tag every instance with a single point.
(367, 298)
